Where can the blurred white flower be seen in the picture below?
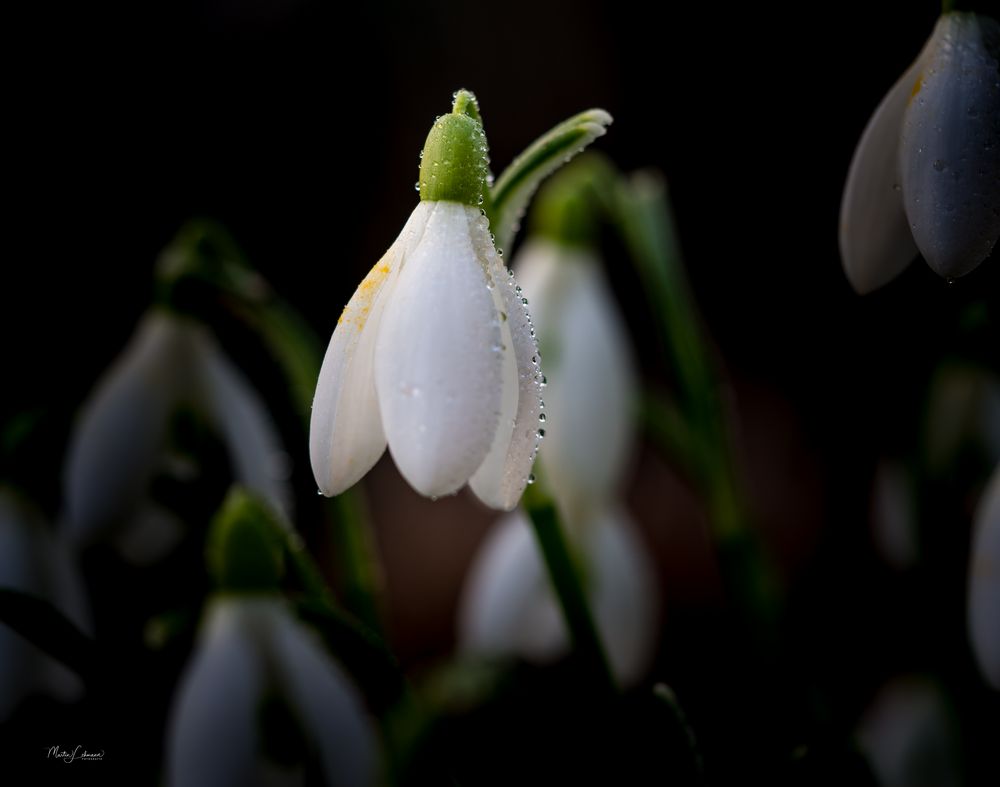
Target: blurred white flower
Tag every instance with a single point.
(35, 561)
(909, 736)
(508, 605)
(894, 515)
(591, 383)
(434, 355)
(250, 648)
(925, 176)
(121, 439)
(984, 583)
(509, 608)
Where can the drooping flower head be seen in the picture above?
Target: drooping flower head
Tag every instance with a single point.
(434, 354)
(926, 174)
(122, 439)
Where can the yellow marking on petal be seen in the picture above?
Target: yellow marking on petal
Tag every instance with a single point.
(917, 86)
(358, 309)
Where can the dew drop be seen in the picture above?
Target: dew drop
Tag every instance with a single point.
(319, 492)
(541, 434)
(531, 478)
(524, 301)
(544, 381)
(541, 417)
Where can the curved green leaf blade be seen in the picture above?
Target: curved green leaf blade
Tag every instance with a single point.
(516, 185)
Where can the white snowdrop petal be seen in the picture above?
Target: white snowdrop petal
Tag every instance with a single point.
(507, 607)
(909, 738)
(212, 733)
(329, 708)
(625, 595)
(345, 432)
(438, 373)
(876, 244)
(591, 378)
(346, 437)
(984, 583)
(122, 428)
(950, 146)
(500, 480)
(247, 430)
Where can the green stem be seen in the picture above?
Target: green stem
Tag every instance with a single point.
(644, 215)
(566, 581)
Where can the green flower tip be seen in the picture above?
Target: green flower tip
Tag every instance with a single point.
(244, 550)
(454, 165)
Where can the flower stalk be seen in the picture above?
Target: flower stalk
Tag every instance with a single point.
(568, 584)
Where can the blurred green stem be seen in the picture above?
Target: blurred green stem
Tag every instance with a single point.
(567, 583)
(698, 426)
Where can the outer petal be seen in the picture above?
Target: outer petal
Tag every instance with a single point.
(438, 366)
(346, 437)
(212, 733)
(875, 240)
(984, 584)
(250, 436)
(122, 428)
(950, 149)
(908, 736)
(591, 378)
(500, 480)
(329, 708)
(507, 606)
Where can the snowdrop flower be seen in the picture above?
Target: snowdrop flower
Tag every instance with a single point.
(909, 736)
(34, 561)
(508, 606)
(984, 583)
(250, 647)
(926, 174)
(434, 353)
(121, 440)
(591, 380)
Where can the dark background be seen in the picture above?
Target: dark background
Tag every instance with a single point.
(298, 126)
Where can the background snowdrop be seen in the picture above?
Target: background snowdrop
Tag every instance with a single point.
(434, 354)
(122, 439)
(36, 561)
(508, 607)
(250, 648)
(926, 174)
(909, 737)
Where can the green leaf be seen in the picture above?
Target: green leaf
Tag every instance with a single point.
(47, 628)
(517, 184)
